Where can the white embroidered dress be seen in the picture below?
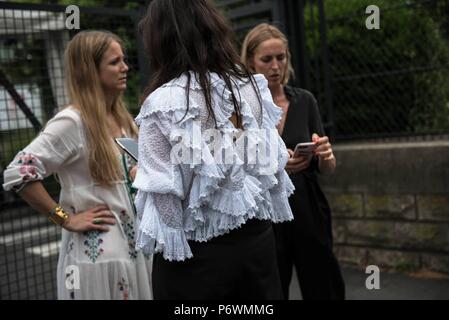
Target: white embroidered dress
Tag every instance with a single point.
(177, 202)
(108, 265)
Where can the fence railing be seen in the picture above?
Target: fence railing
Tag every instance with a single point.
(390, 82)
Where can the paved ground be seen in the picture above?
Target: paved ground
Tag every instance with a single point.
(393, 286)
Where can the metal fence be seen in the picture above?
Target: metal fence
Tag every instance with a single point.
(369, 83)
(389, 82)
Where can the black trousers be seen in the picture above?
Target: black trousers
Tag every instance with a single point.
(239, 265)
(306, 243)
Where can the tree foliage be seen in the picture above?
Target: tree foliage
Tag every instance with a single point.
(391, 80)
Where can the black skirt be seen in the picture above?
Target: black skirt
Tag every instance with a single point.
(239, 265)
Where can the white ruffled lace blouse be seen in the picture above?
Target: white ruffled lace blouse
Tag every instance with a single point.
(186, 190)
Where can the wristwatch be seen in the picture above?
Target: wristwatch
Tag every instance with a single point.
(57, 215)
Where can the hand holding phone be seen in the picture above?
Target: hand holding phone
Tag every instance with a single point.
(304, 149)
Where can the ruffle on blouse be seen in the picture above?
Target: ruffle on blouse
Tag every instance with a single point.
(169, 183)
(155, 236)
(221, 197)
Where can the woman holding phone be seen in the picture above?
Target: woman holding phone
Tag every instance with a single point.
(305, 242)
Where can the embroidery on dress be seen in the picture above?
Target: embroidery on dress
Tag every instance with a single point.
(27, 168)
(128, 228)
(124, 288)
(93, 243)
(71, 243)
(70, 246)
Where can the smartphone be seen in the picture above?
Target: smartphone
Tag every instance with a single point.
(130, 146)
(304, 148)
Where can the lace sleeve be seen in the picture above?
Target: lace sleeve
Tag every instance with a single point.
(158, 203)
(156, 172)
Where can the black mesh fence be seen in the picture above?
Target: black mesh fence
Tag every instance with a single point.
(246, 14)
(386, 82)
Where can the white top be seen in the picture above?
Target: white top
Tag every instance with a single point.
(109, 265)
(196, 183)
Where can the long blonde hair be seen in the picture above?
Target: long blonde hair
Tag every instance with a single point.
(82, 60)
(255, 37)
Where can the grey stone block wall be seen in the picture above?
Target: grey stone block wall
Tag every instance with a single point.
(390, 205)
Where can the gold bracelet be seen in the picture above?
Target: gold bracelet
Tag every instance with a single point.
(57, 215)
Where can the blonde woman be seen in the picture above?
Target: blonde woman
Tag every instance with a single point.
(306, 242)
(95, 207)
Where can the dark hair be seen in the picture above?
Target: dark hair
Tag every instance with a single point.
(191, 35)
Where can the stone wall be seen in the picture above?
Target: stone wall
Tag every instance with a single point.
(390, 204)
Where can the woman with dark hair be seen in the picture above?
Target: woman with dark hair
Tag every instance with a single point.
(211, 175)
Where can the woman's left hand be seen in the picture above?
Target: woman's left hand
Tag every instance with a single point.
(327, 162)
(324, 148)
